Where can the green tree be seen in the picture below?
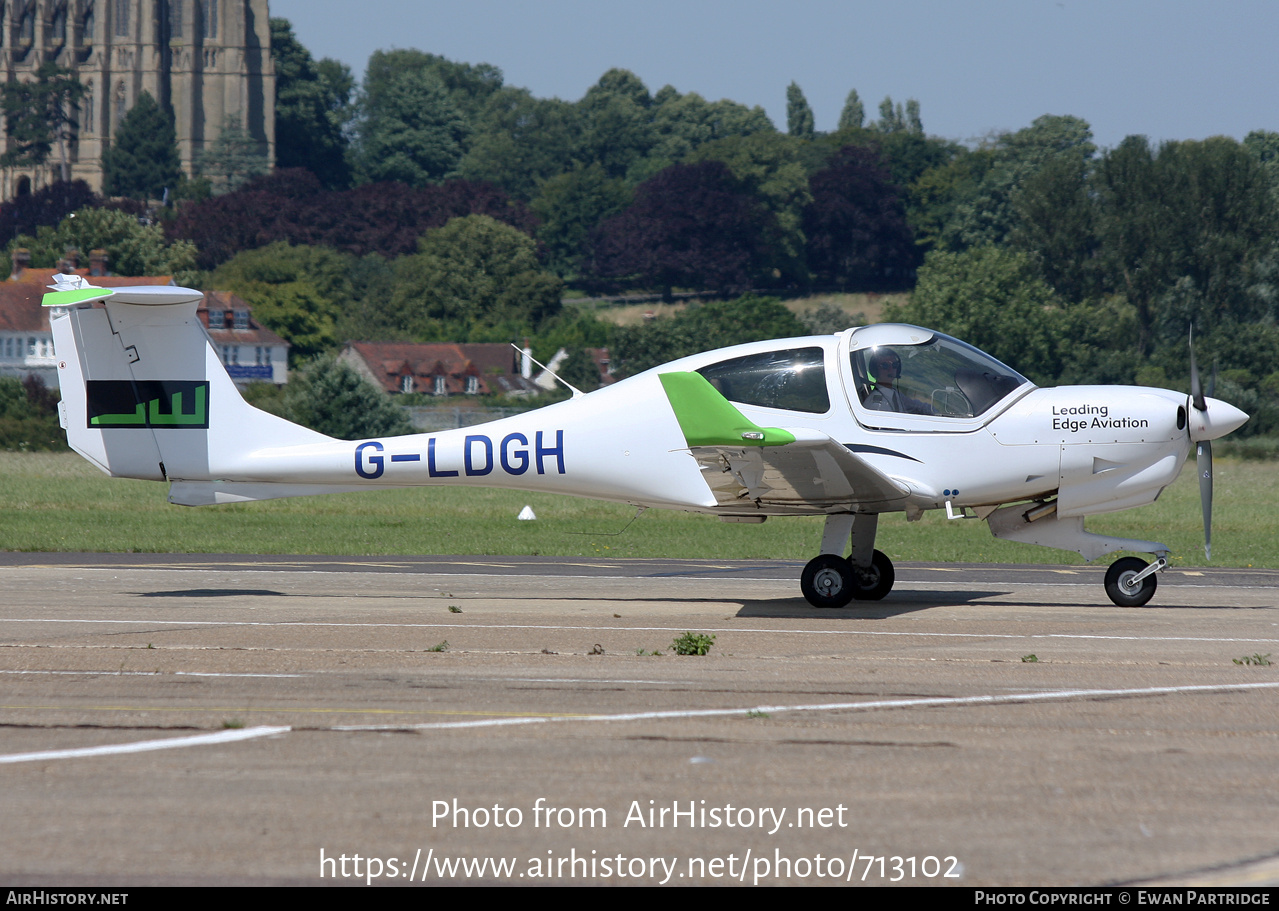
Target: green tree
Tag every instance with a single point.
(799, 116)
(132, 247)
(893, 118)
(615, 122)
(768, 166)
(279, 263)
(571, 328)
(29, 416)
(579, 370)
(298, 292)
(311, 107)
(914, 124)
(366, 317)
(571, 205)
(331, 397)
(856, 227)
(853, 116)
(1055, 221)
(987, 212)
(339, 90)
(685, 122)
(233, 159)
(415, 134)
(992, 298)
(1264, 144)
(716, 324)
(296, 311)
(473, 274)
(40, 114)
(939, 194)
(1182, 232)
(520, 141)
(418, 114)
(469, 86)
(142, 161)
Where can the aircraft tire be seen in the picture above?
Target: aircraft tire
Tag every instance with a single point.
(828, 581)
(874, 583)
(1120, 572)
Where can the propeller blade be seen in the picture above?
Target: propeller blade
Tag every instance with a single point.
(1203, 460)
(1196, 388)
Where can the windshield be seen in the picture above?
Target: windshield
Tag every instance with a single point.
(942, 377)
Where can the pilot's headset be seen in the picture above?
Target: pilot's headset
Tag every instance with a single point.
(876, 356)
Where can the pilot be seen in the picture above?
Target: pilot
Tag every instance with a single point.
(884, 367)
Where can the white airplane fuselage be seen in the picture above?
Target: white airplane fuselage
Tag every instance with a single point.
(875, 419)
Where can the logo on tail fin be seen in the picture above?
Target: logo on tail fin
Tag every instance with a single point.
(172, 404)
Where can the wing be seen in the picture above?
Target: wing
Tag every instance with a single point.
(771, 469)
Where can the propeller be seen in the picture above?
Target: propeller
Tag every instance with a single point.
(1203, 448)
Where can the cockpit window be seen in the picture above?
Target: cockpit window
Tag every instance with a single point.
(793, 379)
(943, 377)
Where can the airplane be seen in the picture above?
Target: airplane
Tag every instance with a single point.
(874, 419)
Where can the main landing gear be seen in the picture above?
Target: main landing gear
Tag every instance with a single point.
(831, 580)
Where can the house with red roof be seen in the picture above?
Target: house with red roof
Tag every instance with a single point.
(249, 351)
(442, 368)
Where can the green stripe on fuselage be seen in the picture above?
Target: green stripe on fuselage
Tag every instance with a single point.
(709, 419)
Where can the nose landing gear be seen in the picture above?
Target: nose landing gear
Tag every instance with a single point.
(1131, 581)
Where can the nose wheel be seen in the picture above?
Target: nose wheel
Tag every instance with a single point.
(830, 580)
(1127, 583)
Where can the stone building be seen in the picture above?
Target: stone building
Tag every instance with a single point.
(208, 62)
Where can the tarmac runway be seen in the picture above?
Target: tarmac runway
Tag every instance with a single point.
(188, 719)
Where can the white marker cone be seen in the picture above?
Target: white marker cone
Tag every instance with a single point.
(526, 514)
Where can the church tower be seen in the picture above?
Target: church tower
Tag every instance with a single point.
(207, 62)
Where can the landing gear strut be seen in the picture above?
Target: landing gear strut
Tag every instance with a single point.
(831, 580)
(1130, 581)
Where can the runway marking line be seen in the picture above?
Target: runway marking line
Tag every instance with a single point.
(918, 702)
(297, 710)
(214, 624)
(922, 702)
(153, 674)
(143, 746)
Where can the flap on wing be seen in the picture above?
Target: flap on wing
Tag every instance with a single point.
(807, 476)
(798, 469)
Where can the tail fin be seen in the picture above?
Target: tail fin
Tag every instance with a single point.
(144, 394)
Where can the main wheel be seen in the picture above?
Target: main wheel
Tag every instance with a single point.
(828, 581)
(873, 583)
(1120, 587)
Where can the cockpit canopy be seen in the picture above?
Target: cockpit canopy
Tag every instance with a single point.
(894, 376)
(790, 378)
(909, 370)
